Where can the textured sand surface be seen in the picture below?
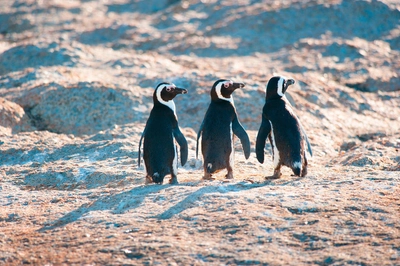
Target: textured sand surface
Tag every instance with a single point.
(76, 85)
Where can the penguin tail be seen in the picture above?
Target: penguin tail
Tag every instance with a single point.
(209, 168)
(157, 178)
(297, 168)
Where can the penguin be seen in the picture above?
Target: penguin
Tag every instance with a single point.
(161, 130)
(283, 128)
(219, 124)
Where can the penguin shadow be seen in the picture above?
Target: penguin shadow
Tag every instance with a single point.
(118, 203)
(196, 196)
(223, 188)
(283, 180)
(124, 201)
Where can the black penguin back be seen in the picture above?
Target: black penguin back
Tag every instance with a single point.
(158, 148)
(286, 131)
(217, 134)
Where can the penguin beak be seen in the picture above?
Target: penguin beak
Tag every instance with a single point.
(237, 86)
(180, 90)
(290, 82)
(287, 84)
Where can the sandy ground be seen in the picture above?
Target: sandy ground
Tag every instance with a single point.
(76, 84)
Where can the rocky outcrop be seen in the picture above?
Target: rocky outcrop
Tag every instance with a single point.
(13, 118)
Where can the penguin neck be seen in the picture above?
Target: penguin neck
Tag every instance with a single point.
(224, 99)
(288, 105)
(275, 97)
(229, 100)
(170, 104)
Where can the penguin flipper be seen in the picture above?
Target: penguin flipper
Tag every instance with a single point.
(239, 131)
(180, 138)
(308, 142)
(140, 145)
(262, 135)
(301, 126)
(198, 137)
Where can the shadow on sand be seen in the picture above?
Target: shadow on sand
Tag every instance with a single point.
(122, 202)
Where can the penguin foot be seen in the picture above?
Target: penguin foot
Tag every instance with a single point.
(173, 180)
(229, 175)
(207, 176)
(148, 180)
(304, 172)
(274, 176)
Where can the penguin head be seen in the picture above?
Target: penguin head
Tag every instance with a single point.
(165, 92)
(222, 90)
(277, 87)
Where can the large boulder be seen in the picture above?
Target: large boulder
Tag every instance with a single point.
(85, 108)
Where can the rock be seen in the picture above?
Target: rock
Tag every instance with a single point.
(13, 118)
(84, 108)
(14, 23)
(37, 55)
(348, 145)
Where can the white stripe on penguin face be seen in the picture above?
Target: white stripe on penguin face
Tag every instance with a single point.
(170, 103)
(219, 94)
(280, 86)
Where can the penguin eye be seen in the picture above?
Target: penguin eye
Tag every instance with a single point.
(168, 89)
(226, 84)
